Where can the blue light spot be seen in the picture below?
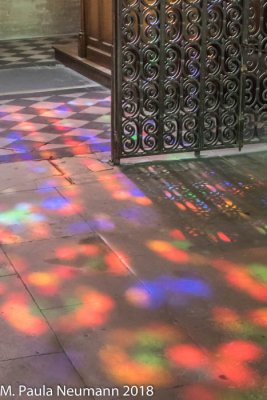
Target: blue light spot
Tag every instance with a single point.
(55, 203)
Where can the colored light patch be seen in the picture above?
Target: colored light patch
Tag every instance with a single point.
(223, 237)
(139, 296)
(181, 244)
(89, 250)
(137, 214)
(55, 203)
(227, 317)
(66, 253)
(193, 392)
(239, 277)
(17, 312)
(45, 283)
(187, 356)
(177, 234)
(235, 374)
(259, 317)
(180, 206)
(259, 271)
(144, 201)
(167, 251)
(241, 350)
(21, 214)
(121, 195)
(102, 223)
(153, 294)
(39, 169)
(80, 227)
(94, 312)
(136, 357)
(115, 265)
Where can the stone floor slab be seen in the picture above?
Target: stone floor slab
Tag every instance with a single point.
(5, 266)
(24, 330)
(70, 271)
(47, 371)
(36, 215)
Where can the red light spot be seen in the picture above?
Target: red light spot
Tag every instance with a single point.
(198, 392)
(116, 267)
(191, 206)
(225, 315)
(223, 237)
(241, 350)
(176, 234)
(259, 317)
(180, 205)
(89, 249)
(235, 373)
(187, 356)
(66, 253)
(17, 312)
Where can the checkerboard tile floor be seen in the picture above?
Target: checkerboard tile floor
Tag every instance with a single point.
(55, 126)
(30, 52)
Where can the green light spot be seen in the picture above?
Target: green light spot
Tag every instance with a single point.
(181, 244)
(149, 340)
(150, 359)
(259, 271)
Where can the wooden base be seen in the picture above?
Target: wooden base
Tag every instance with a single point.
(68, 55)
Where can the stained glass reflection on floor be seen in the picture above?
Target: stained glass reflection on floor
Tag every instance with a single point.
(151, 275)
(55, 125)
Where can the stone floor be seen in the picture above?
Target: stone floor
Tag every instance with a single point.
(28, 52)
(53, 125)
(152, 274)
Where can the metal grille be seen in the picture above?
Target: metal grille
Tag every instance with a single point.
(256, 76)
(180, 82)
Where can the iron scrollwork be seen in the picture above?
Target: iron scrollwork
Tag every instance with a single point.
(181, 71)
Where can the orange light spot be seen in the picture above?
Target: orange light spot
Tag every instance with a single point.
(226, 316)
(191, 206)
(180, 205)
(241, 350)
(90, 250)
(65, 271)
(94, 312)
(199, 392)
(70, 209)
(144, 201)
(177, 234)
(2, 288)
(66, 253)
(41, 279)
(240, 279)
(187, 356)
(166, 250)
(121, 195)
(138, 296)
(259, 317)
(223, 237)
(115, 265)
(235, 374)
(17, 312)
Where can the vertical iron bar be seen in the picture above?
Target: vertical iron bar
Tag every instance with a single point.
(162, 59)
(202, 77)
(243, 70)
(141, 77)
(116, 105)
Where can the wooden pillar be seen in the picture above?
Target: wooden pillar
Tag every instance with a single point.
(82, 34)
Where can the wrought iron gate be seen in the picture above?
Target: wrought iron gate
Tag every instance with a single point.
(189, 75)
